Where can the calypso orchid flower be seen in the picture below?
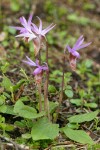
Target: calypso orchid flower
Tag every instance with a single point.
(26, 29)
(73, 51)
(38, 72)
(39, 30)
(29, 31)
(40, 34)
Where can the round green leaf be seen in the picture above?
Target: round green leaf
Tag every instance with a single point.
(69, 93)
(77, 102)
(43, 129)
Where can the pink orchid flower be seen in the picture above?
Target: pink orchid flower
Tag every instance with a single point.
(26, 29)
(73, 51)
(38, 72)
(40, 34)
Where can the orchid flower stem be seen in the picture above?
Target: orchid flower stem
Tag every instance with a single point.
(46, 52)
(39, 85)
(62, 87)
(46, 102)
(62, 84)
(40, 57)
(40, 99)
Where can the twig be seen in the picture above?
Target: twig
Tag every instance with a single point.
(9, 140)
(90, 131)
(98, 140)
(19, 92)
(58, 145)
(12, 143)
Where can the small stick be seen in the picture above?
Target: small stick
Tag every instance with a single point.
(19, 93)
(9, 140)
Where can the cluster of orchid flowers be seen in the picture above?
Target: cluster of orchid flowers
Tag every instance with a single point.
(29, 31)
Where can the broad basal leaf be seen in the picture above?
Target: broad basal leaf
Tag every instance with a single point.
(30, 113)
(83, 117)
(18, 106)
(6, 83)
(26, 111)
(43, 129)
(78, 135)
(3, 108)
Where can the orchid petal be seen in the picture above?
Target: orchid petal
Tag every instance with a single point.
(76, 47)
(29, 62)
(23, 21)
(50, 27)
(35, 28)
(37, 71)
(40, 26)
(30, 19)
(27, 35)
(45, 68)
(76, 54)
(27, 25)
(17, 28)
(81, 42)
(31, 37)
(84, 45)
(69, 49)
(37, 62)
(79, 39)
